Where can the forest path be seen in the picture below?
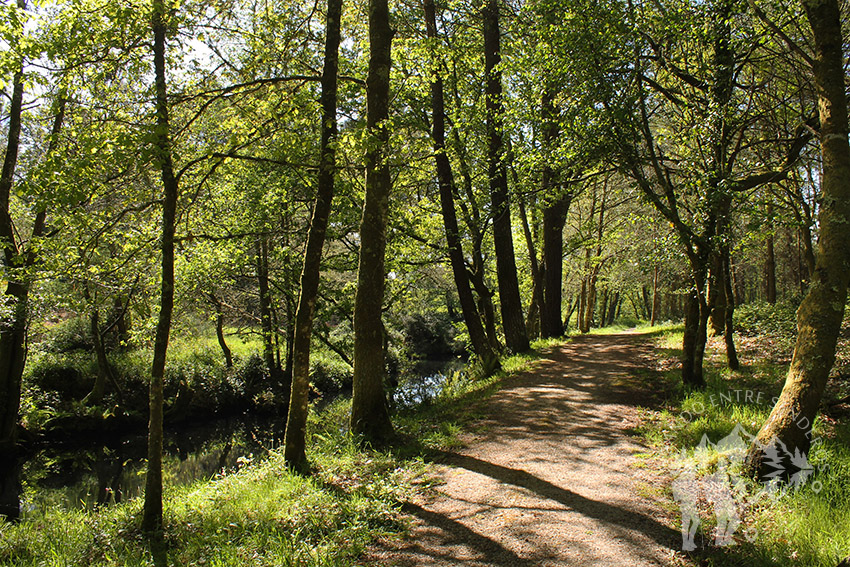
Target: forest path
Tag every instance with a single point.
(550, 475)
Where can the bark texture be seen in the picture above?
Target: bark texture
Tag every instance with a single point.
(819, 317)
(516, 336)
(369, 414)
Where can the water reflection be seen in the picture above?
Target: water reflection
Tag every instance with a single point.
(94, 476)
(427, 382)
(91, 474)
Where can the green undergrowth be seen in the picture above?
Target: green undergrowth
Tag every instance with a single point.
(788, 525)
(264, 514)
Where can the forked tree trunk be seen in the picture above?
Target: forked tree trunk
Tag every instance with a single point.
(478, 336)
(369, 415)
(296, 423)
(516, 337)
(152, 513)
(789, 427)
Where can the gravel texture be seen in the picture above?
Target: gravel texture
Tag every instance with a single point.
(550, 476)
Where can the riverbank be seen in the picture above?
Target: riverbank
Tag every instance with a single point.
(263, 514)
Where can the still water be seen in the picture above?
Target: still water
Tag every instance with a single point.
(91, 474)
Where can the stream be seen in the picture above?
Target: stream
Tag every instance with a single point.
(90, 474)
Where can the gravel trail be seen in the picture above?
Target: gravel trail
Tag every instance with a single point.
(550, 476)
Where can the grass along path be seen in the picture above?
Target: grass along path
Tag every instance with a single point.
(549, 476)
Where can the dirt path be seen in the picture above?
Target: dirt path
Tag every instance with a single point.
(549, 478)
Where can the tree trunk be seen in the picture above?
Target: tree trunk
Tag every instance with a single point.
(219, 330)
(789, 426)
(695, 335)
(152, 514)
(122, 324)
(474, 223)
(266, 323)
(536, 306)
(296, 423)
(612, 309)
(655, 299)
(770, 261)
(582, 305)
(716, 296)
(13, 328)
(511, 305)
(104, 372)
(571, 307)
(369, 414)
(729, 327)
(590, 302)
(477, 334)
(554, 219)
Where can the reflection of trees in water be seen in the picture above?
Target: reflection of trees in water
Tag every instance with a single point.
(107, 474)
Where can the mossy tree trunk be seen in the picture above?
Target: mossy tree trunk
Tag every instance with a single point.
(819, 317)
(369, 414)
(296, 422)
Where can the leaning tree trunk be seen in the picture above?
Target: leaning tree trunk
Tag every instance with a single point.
(219, 330)
(789, 426)
(369, 415)
(296, 423)
(152, 514)
(516, 337)
(478, 336)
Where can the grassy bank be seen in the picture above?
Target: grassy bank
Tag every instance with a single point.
(263, 514)
(795, 525)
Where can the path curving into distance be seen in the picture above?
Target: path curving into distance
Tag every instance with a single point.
(549, 477)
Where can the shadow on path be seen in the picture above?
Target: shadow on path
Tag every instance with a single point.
(458, 533)
(625, 518)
